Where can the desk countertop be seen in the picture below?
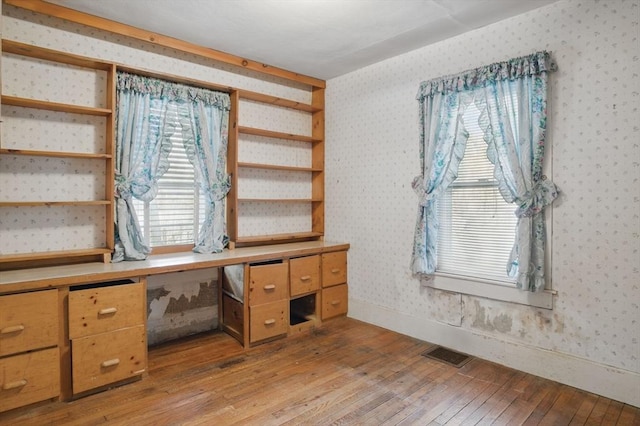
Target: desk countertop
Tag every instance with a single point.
(85, 273)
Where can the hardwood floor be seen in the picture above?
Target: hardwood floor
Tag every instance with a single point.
(346, 372)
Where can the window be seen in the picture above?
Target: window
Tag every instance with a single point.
(477, 229)
(477, 226)
(467, 239)
(173, 217)
(158, 125)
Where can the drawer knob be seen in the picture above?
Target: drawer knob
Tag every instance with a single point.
(107, 311)
(12, 329)
(269, 287)
(305, 278)
(335, 302)
(335, 270)
(110, 362)
(14, 385)
(270, 321)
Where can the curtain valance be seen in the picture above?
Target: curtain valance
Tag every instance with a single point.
(176, 92)
(529, 65)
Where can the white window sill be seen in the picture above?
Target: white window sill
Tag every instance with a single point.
(490, 290)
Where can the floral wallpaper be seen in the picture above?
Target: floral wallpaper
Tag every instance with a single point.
(593, 157)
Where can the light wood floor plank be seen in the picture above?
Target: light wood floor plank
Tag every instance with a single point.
(346, 372)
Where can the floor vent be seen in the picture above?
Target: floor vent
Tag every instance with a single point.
(447, 356)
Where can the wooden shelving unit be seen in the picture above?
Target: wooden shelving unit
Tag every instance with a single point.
(235, 204)
(52, 56)
(315, 169)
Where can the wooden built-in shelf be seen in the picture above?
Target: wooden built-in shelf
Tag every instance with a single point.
(60, 154)
(17, 48)
(273, 100)
(54, 106)
(53, 203)
(21, 257)
(278, 167)
(51, 258)
(273, 238)
(280, 200)
(276, 135)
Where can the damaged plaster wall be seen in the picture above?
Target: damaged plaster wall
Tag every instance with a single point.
(593, 151)
(181, 304)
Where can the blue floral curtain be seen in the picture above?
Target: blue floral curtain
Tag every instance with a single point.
(141, 159)
(143, 145)
(511, 96)
(205, 129)
(514, 118)
(442, 143)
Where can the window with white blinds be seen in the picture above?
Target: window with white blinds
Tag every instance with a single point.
(477, 227)
(173, 216)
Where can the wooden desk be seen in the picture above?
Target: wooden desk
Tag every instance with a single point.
(89, 284)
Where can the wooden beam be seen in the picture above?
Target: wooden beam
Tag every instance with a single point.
(40, 6)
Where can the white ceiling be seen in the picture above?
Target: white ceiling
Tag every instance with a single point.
(317, 38)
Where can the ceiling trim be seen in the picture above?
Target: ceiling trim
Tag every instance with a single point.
(40, 6)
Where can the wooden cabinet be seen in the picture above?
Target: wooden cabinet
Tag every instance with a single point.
(283, 296)
(334, 268)
(268, 320)
(334, 301)
(304, 290)
(108, 333)
(304, 275)
(334, 284)
(29, 356)
(268, 300)
(268, 283)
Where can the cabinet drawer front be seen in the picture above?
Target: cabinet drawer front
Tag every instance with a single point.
(28, 321)
(304, 275)
(29, 378)
(269, 320)
(334, 268)
(335, 301)
(108, 357)
(268, 283)
(102, 309)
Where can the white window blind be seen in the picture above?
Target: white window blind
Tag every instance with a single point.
(477, 227)
(173, 216)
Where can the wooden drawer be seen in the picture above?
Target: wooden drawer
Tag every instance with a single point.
(268, 283)
(28, 321)
(108, 308)
(29, 378)
(335, 301)
(108, 357)
(233, 314)
(334, 268)
(304, 275)
(269, 320)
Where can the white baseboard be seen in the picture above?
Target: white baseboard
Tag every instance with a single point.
(607, 381)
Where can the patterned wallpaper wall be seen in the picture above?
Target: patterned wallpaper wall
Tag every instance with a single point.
(35, 178)
(372, 157)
